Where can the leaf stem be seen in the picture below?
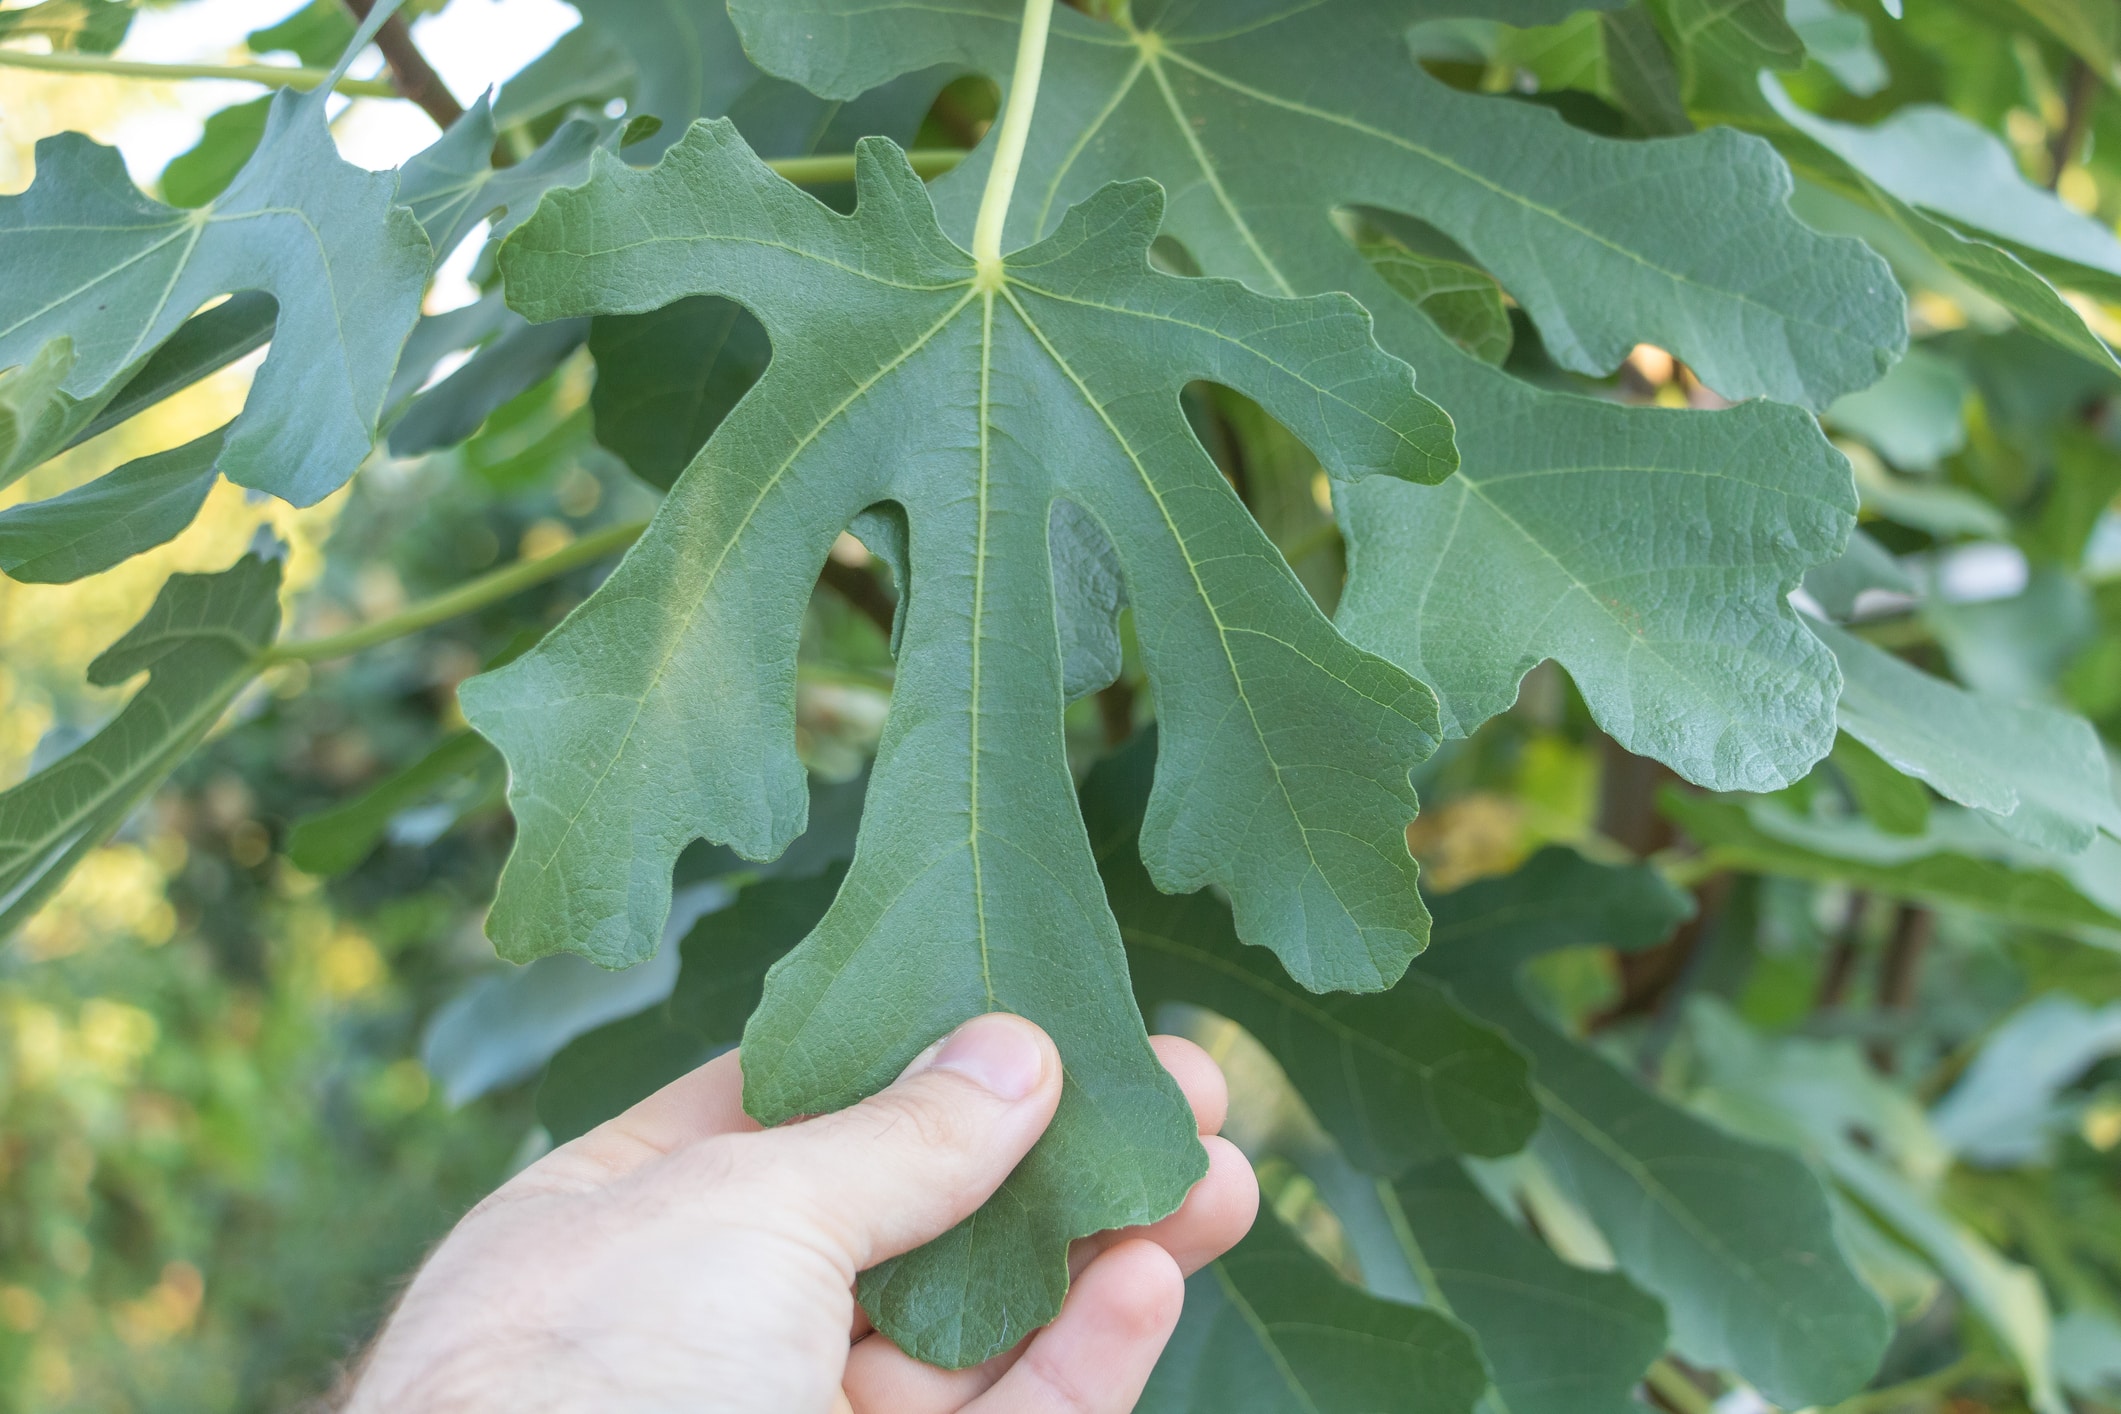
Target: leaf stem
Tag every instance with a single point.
(270, 75)
(1016, 131)
(1676, 1389)
(839, 166)
(465, 598)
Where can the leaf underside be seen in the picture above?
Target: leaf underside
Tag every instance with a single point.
(90, 258)
(199, 645)
(662, 710)
(1649, 551)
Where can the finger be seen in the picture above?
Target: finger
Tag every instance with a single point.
(1199, 1076)
(1216, 1214)
(909, 1163)
(1097, 1356)
(883, 1379)
(700, 1104)
(1219, 1211)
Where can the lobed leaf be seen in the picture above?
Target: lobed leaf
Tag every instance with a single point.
(662, 710)
(199, 646)
(1650, 551)
(96, 261)
(1590, 235)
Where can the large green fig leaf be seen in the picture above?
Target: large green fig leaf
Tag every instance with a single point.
(1270, 1328)
(91, 258)
(1735, 1237)
(1577, 530)
(199, 645)
(1578, 228)
(663, 710)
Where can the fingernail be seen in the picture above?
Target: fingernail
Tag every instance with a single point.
(999, 1053)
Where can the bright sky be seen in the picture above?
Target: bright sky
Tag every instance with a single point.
(473, 44)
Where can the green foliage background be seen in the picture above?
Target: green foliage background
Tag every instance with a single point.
(256, 1051)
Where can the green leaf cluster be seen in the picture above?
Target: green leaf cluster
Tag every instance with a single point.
(1360, 395)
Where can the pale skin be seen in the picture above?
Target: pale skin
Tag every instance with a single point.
(680, 1257)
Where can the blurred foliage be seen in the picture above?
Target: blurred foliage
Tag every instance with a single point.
(224, 1125)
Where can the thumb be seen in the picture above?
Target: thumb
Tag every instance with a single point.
(910, 1162)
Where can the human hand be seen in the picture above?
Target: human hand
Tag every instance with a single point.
(680, 1257)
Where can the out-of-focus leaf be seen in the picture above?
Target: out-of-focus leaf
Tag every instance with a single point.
(1949, 166)
(36, 415)
(87, 26)
(666, 379)
(1819, 1096)
(316, 34)
(2087, 1353)
(144, 503)
(199, 646)
(334, 841)
(1399, 1077)
(2091, 30)
(1736, 1238)
(1836, 585)
(1712, 38)
(1947, 512)
(719, 979)
(2016, 648)
(202, 172)
(2085, 481)
(1558, 1339)
(1462, 301)
(503, 1027)
(1270, 1328)
(1896, 804)
(584, 66)
(322, 236)
(2003, 1110)
(1914, 417)
(1640, 71)
(517, 358)
(1931, 252)
(2038, 772)
(1959, 862)
(1840, 41)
